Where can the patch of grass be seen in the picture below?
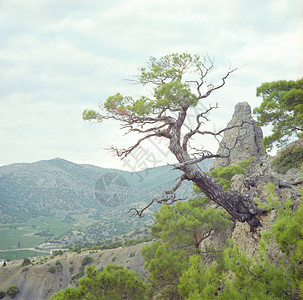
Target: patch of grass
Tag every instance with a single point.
(19, 254)
(11, 234)
(11, 237)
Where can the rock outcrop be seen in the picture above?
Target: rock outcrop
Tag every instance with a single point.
(254, 181)
(244, 139)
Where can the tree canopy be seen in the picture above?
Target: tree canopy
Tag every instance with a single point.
(114, 282)
(186, 225)
(178, 82)
(282, 107)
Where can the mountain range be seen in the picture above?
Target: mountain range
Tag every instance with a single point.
(58, 187)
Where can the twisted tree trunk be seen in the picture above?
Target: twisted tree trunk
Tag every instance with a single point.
(239, 206)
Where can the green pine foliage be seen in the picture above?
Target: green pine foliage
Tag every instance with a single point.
(186, 224)
(255, 277)
(165, 266)
(282, 107)
(179, 231)
(239, 276)
(199, 281)
(113, 282)
(224, 175)
(171, 91)
(288, 235)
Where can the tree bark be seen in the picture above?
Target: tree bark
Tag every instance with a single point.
(239, 206)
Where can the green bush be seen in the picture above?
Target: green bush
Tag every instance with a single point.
(2, 294)
(87, 260)
(290, 157)
(132, 254)
(26, 261)
(12, 291)
(120, 283)
(224, 175)
(76, 248)
(52, 269)
(59, 265)
(57, 252)
(112, 245)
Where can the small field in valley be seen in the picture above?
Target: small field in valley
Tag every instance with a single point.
(19, 254)
(23, 236)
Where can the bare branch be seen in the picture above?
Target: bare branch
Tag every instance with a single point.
(205, 154)
(124, 152)
(168, 198)
(196, 161)
(203, 237)
(155, 129)
(199, 123)
(215, 134)
(136, 212)
(213, 88)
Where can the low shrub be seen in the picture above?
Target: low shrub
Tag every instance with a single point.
(52, 269)
(26, 261)
(290, 157)
(132, 254)
(59, 265)
(87, 260)
(12, 291)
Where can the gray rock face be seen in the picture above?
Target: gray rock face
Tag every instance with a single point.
(243, 141)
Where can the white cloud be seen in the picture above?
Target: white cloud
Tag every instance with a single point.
(59, 57)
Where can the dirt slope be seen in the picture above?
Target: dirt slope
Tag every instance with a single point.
(37, 283)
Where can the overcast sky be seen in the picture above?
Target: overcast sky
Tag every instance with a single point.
(59, 57)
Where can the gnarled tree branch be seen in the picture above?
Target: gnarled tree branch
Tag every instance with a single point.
(168, 198)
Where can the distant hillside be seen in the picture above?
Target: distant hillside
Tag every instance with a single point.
(58, 187)
(55, 273)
